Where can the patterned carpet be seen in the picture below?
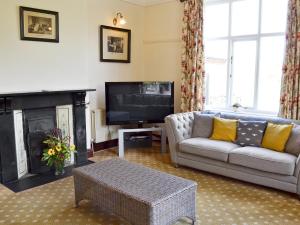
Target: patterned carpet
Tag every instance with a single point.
(220, 200)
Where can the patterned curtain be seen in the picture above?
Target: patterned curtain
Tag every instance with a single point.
(290, 87)
(192, 85)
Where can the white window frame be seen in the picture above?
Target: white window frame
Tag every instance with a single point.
(231, 39)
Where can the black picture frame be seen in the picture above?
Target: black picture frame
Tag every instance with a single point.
(128, 33)
(23, 9)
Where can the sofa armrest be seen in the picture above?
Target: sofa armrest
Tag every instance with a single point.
(179, 127)
(297, 174)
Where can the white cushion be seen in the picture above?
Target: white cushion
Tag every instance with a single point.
(207, 148)
(263, 159)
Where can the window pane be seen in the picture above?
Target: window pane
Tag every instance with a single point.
(216, 20)
(274, 16)
(243, 70)
(271, 60)
(245, 17)
(216, 72)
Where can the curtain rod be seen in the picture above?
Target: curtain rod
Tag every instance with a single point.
(182, 0)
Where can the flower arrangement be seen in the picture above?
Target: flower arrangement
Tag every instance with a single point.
(58, 150)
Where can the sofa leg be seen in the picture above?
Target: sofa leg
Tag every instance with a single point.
(175, 165)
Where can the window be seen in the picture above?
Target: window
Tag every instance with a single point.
(244, 49)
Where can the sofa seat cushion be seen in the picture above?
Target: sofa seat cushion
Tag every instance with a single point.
(207, 148)
(263, 159)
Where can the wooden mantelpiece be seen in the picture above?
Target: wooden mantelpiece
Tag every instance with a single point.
(9, 102)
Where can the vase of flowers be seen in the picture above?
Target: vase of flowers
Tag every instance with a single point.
(58, 150)
(236, 107)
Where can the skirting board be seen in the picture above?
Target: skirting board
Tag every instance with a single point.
(105, 145)
(90, 152)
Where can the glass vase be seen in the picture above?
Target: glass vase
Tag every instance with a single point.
(59, 168)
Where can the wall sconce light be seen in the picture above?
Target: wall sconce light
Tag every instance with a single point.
(117, 17)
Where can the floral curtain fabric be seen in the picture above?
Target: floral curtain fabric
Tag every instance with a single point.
(192, 85)
(290, 87)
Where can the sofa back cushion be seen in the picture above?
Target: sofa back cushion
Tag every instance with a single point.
(203, 125)
(293, 144)
(250, 117)
(250, 133)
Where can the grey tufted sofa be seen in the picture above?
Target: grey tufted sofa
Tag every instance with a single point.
(270, 168)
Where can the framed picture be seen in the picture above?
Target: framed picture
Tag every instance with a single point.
(38, 25)
(115, 44)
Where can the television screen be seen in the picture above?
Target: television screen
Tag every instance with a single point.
(138, 102)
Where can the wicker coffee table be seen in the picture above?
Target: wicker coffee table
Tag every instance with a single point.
(140, 195)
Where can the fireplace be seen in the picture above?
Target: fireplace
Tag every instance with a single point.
(37, 124)
(27, 118)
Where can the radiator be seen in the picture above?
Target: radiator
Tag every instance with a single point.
(99, 129)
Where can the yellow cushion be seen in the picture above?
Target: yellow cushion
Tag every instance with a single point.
(224, 129)
(276, 136)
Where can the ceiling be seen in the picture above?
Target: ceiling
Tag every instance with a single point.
(148, 2)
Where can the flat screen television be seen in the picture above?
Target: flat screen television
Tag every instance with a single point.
(138, 102)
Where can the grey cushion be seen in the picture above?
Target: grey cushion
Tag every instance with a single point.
(203, 125)
(250, 133)
(293, 144)
(207, 148)
(264, 159)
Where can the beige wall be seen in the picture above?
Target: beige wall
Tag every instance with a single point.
(162, 44)
(101, 72)
(28, 65)
(102, 12)
(74, 61)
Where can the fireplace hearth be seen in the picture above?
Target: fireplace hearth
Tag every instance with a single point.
(25, 121)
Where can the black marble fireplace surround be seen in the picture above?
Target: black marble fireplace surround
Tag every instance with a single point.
(39, 116)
